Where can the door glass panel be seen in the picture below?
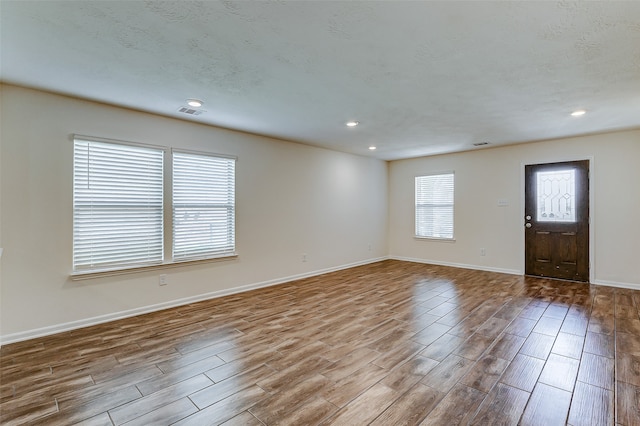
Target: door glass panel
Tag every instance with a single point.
(556, 196)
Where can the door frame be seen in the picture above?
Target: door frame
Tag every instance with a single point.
(521, 221)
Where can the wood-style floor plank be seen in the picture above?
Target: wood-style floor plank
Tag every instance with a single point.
(81, 409)
(365, 407)
(547, 406)
(628, 404)
(599, 344)
(457, 408)
(273, 408)
(538, 345)
(627, 369)
(312, 413)
(411, 408)
(502, 406)
(166, 414)
(560, 372)
(591, 406)
(406, 375)
(599, 370)
(442, 347)
(226, 408)
(348, 388)
(506, 346)
(99, 420)
(388, 343)
(243, 419)
(158, 399)
(485, 373)
(569, 345)
(523, 372)
(447, 373)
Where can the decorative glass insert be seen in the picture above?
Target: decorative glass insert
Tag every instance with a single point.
(556, 196)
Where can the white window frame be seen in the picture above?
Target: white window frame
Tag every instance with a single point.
(167, 258)
(434, 204)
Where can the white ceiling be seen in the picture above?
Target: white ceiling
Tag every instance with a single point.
(421, 77)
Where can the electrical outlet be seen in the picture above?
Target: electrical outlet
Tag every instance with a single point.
(163, 279)
(369, 247)
(483, 252)
(304, 257)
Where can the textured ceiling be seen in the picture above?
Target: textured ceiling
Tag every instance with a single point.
(421, 77)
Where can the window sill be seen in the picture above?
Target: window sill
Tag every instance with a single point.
(443, 240)
(86, 275)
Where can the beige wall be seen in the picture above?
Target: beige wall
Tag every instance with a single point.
(483, 177)
(291, 199)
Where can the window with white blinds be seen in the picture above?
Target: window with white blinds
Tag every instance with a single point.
(434, 206)
(117, 205)
(203, 206)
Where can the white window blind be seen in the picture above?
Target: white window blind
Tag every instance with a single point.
(203, 206)
(117, 205)
(434, 206)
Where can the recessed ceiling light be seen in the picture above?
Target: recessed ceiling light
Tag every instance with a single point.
(194, 103)
(352, 123)
(578, 113)
(372, 148)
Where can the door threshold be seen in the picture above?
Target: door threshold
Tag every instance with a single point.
(556, 279)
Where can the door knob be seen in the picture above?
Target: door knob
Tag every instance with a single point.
(528, 217)
(528, 225)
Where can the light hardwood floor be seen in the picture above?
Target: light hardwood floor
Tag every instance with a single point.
(389, 343)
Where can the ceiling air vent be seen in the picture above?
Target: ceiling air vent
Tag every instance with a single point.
(190, 111)
(480, 143)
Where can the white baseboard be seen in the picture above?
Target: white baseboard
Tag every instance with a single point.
(59, 328)
(607, 283)
(458, 265)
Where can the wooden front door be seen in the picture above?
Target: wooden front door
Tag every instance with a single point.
(557, 220)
